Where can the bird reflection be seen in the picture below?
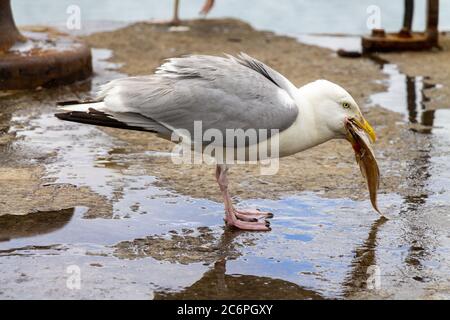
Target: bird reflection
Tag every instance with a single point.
(365, 257)
(216, 284)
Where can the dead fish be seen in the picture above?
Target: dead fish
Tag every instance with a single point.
(366, 159)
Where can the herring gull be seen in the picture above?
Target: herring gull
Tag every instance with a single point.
(226, 93)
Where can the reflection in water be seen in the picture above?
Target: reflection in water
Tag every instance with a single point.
(13, 226)
(418, 168)
(416, 99)
(416, 233)
(418, 174)
(216, 284)
(365, 257)
(405, 94)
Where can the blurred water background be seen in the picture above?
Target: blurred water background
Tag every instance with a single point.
(285, 17)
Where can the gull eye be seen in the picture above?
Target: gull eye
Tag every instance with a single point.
(345, 105)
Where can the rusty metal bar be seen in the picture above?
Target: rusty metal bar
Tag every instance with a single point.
(408, 18)
(379, 41)
(39, 65)
(9, 34)
(432, 21)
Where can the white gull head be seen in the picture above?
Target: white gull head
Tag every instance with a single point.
(324, 110)
(331, 106)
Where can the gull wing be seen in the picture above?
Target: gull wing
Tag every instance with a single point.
(220, 92)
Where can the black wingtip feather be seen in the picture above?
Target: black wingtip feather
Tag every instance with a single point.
(97, 118)
(71, 102)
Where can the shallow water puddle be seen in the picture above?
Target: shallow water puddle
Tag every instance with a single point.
(424, 224)
(410, 253)
(309, 248)
(430, 170)
(406, 95)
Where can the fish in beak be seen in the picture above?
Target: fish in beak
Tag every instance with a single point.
(359, 131)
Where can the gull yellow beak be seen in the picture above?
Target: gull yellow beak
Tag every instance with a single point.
(364, 125)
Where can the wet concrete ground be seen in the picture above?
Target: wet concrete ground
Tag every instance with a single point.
(79, 198)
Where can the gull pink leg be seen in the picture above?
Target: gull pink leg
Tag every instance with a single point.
(233, 218)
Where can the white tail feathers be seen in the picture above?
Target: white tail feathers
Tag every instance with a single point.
(83, 107)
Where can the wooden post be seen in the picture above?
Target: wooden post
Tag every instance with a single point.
(9, 34)
(433, 21)
(407, 18)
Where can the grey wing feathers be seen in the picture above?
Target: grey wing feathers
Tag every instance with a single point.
(222, 93)
(266, 71)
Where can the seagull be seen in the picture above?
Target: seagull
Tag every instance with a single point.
(222, 94)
